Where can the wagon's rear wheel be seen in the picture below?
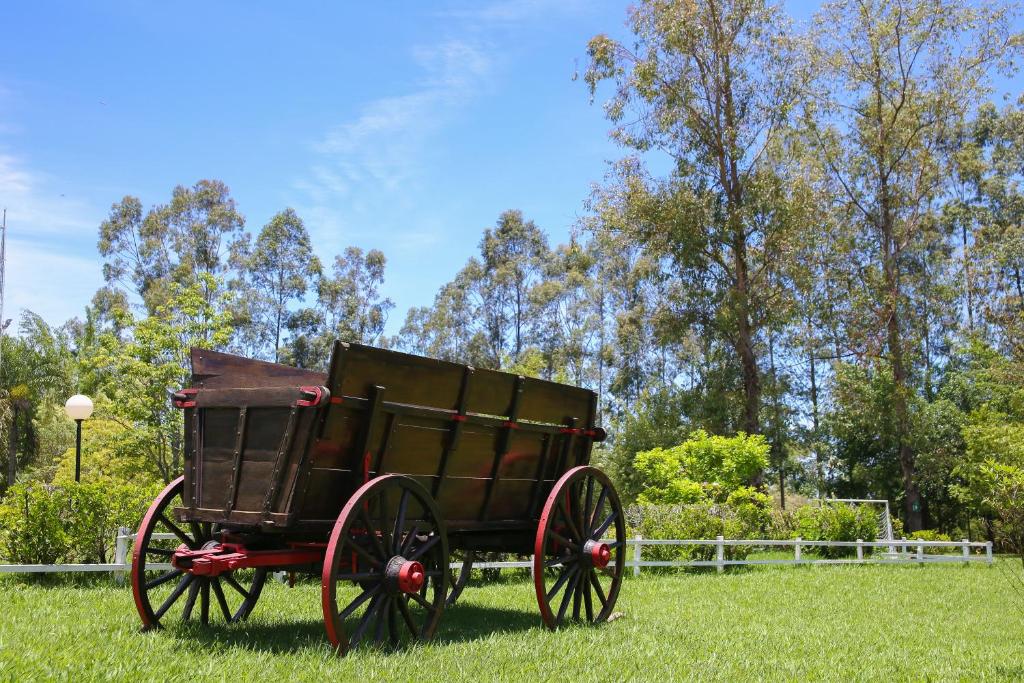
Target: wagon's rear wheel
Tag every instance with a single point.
(163, 592)
(580, 549)
(385, 574)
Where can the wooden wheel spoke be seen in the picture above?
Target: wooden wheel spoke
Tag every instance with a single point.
(382, 617)
(396, 536)
(566, 575)
(393, 622)
(230, 580)
(577, 598)
(410, 538)
(569, 592)
(421, 601)
(403, 607)
(427, 545)
(568, 519)
(381, 552)
(588, 600)
(162, 579)
(193, 593)
(568, 559)
(363, 552)
(601, 499)
(204, 603)
(177, 531)
(385, 527)
(218, 592)
(563, 540)
(604, 525)
(197, 532)
(589, 498)
(596, 583)
(364, 623)
(175, 594)
(163, 552)
(359, 600)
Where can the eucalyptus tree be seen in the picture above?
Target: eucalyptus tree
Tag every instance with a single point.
(180, 242)
(893, 78)
(709, 84)
(278, 270)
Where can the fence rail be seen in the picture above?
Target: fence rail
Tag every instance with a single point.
(897, 551)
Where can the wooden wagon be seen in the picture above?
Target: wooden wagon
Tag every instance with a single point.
(369, 477)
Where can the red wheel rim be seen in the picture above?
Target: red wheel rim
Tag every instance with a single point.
(385, 560)
(574, 523)
(226, 589)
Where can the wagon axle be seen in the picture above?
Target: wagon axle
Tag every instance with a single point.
(214, 558)
(407, 576)
(598, 552)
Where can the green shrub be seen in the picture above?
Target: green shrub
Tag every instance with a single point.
(933, 535)
(704, 468)
(748, 518)
(836, 522)
(71, 523)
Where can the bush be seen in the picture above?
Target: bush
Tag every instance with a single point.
(836, 522)
(71, 523)
(702, 468)
(747, 515)
(933, 535)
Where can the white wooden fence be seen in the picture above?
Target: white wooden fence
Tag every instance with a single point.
(902, 551)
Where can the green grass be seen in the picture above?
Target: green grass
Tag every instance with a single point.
(806, 623)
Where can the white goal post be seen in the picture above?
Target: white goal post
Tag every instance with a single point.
(884, 517)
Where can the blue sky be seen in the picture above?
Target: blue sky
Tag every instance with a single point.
(406, 127)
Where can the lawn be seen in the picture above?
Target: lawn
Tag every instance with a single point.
(838, 623)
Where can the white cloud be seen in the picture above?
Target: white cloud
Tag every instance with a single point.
(45, 235)
(381, 151)
(54, 283)
(35, 205)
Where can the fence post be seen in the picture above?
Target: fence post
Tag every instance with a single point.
(533, 565)
(720, 553)
(121, 552)
(637, 554)
(988, 552)
(796, 549)
(967, 551)
(860, 549)
(920, 553)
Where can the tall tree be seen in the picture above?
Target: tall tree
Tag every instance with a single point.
(894, 77)
(349, 307)
(175, 243)
(279, 268)
(710, 84)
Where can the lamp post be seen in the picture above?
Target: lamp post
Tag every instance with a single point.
(78, 408)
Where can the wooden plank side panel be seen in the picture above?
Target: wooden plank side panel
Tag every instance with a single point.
(213, 369)
(414, 380)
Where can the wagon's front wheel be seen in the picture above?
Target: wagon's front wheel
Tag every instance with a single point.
(580, 549)
(385, 574)
(163, 592)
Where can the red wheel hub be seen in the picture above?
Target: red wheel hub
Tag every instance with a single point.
(600, 555)
(410, 577)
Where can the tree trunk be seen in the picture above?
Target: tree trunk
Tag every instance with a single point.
(12, 450)
(890, 267)
(819, 465)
